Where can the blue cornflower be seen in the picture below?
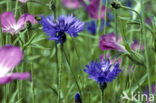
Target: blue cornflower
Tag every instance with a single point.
(78, 98)
(103, 71)
(91, 27)
(58, 28)
(129, 3)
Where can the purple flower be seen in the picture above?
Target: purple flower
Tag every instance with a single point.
(108, 42)
(71, 4)
(9, 24)
(148, 20)
(93, 9)
(135, 45)
(103, 71)
(23, 1)
(10, 56)
(78, 98)
(56, 29)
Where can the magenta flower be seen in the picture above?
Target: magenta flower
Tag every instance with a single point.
(93, 9)
(149, 21)
(135, 45)
(71, 4)
(108, 42)
(9, 24)
(10, 56)
(23, 1)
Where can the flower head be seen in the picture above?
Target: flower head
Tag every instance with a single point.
(10, 56)
(135, 45)
(102, 72)
(93, 9)
(9, 24)
(57, 29)
(78, 98)
(71, 4)
(91, 27)
(108, 42)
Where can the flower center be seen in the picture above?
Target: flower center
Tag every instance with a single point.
(103, 68)
(3, 70)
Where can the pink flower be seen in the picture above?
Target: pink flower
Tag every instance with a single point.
(111, 60)
(108, 42)
(93, 9)
(135, 45)
(71, 4)
(23, 1)
(9, 24)
(10, 56)
(149, 21)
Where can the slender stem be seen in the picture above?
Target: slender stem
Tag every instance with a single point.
(32, 84)
(116, 26)
(58, 72)
(105, 27)
(102, 96)
(16, 8)
(99, 18)
(72, 72)
(60, 75)
(141, 22)
(146, 48)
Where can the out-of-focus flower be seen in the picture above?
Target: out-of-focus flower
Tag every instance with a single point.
(129, 3)
(108, 42)
(148, 20)
(78, 98)
(148, 93)
(135, 45)
(91, 27)
(56, 29)
(10, 56)
(102, 72)
(93, 9)
(111, 60)
(9, 24)
(71, 4)
(23, 1)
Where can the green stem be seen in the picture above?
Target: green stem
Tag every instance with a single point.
(102, 96)
(16, 8)
(58, 74)
(105, 27)
(99, 19)
(72, 72)
(116, 26)
(146, 48)
(32, 84)
(141, 22)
